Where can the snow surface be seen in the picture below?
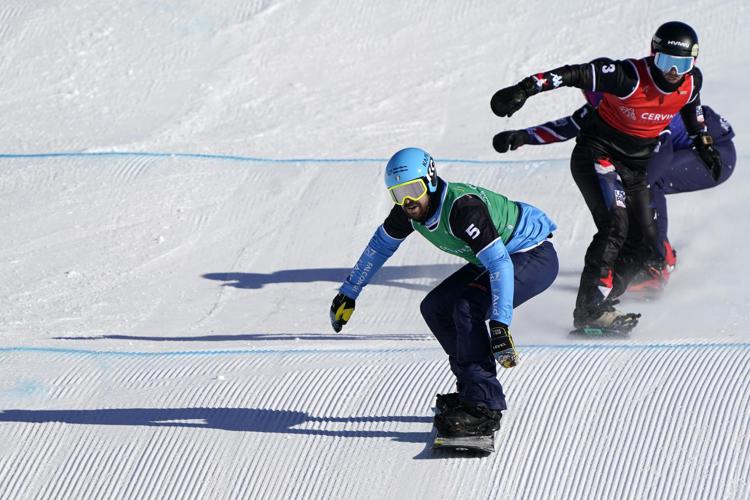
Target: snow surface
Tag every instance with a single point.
(184, 185)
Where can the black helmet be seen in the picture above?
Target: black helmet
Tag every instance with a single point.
(676, 39)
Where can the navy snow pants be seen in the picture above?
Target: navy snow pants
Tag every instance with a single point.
(683, 171)
(457, 311)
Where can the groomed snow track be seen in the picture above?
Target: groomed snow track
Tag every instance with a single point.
(598, 421)
(184, 185)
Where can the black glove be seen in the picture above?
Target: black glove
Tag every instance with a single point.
(507, 101)
(704, 146)
(502, 345)
(512, 139)
(342, 308)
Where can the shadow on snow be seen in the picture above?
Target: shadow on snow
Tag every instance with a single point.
(228, 419)
(388, 275)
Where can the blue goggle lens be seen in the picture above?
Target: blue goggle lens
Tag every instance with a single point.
(665, 63)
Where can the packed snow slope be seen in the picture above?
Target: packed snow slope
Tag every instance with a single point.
(184, 185)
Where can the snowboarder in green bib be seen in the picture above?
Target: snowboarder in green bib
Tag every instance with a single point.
(510, 259)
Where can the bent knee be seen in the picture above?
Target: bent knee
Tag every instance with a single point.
(430, 306)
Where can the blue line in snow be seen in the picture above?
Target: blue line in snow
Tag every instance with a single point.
(255, 352)
(253, 159)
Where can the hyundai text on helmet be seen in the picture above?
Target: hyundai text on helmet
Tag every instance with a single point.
(675, 38)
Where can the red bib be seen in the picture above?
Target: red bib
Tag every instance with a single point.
(647, 110)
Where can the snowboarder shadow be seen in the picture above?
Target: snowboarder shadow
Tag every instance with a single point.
(388, 275)
(231, 419)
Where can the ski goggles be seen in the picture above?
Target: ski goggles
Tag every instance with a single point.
(411, 190)
(681, 64)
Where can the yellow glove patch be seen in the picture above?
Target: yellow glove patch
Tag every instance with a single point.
(344, 313)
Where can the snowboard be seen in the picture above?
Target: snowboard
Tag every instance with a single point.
(482, 444)
(595, 331)
(620, 328)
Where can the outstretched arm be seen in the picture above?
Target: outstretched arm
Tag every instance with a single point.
(381, 247)
(560, 130)
(602, 75)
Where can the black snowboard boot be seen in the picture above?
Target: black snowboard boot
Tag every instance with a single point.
(468, 420)
(446, 402)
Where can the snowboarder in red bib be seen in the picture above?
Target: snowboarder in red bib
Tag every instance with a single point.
(641, 96)
(674, 168)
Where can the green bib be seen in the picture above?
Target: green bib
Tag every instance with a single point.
(504, 214)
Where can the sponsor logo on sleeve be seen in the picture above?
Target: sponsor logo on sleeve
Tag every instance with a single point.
(540, 81)
(620, 198)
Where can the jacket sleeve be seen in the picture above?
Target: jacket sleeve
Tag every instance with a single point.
(559, 130)
(600, 75)
(381, 247)
(471, 222)
(692, 113)
(496, 259)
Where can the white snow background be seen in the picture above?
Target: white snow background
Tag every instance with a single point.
(184, 185)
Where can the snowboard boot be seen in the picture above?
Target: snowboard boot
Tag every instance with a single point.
(446, 402)
(468, 420)
(653, 276)
(604, 315)
(670, 256)
(655, 272)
